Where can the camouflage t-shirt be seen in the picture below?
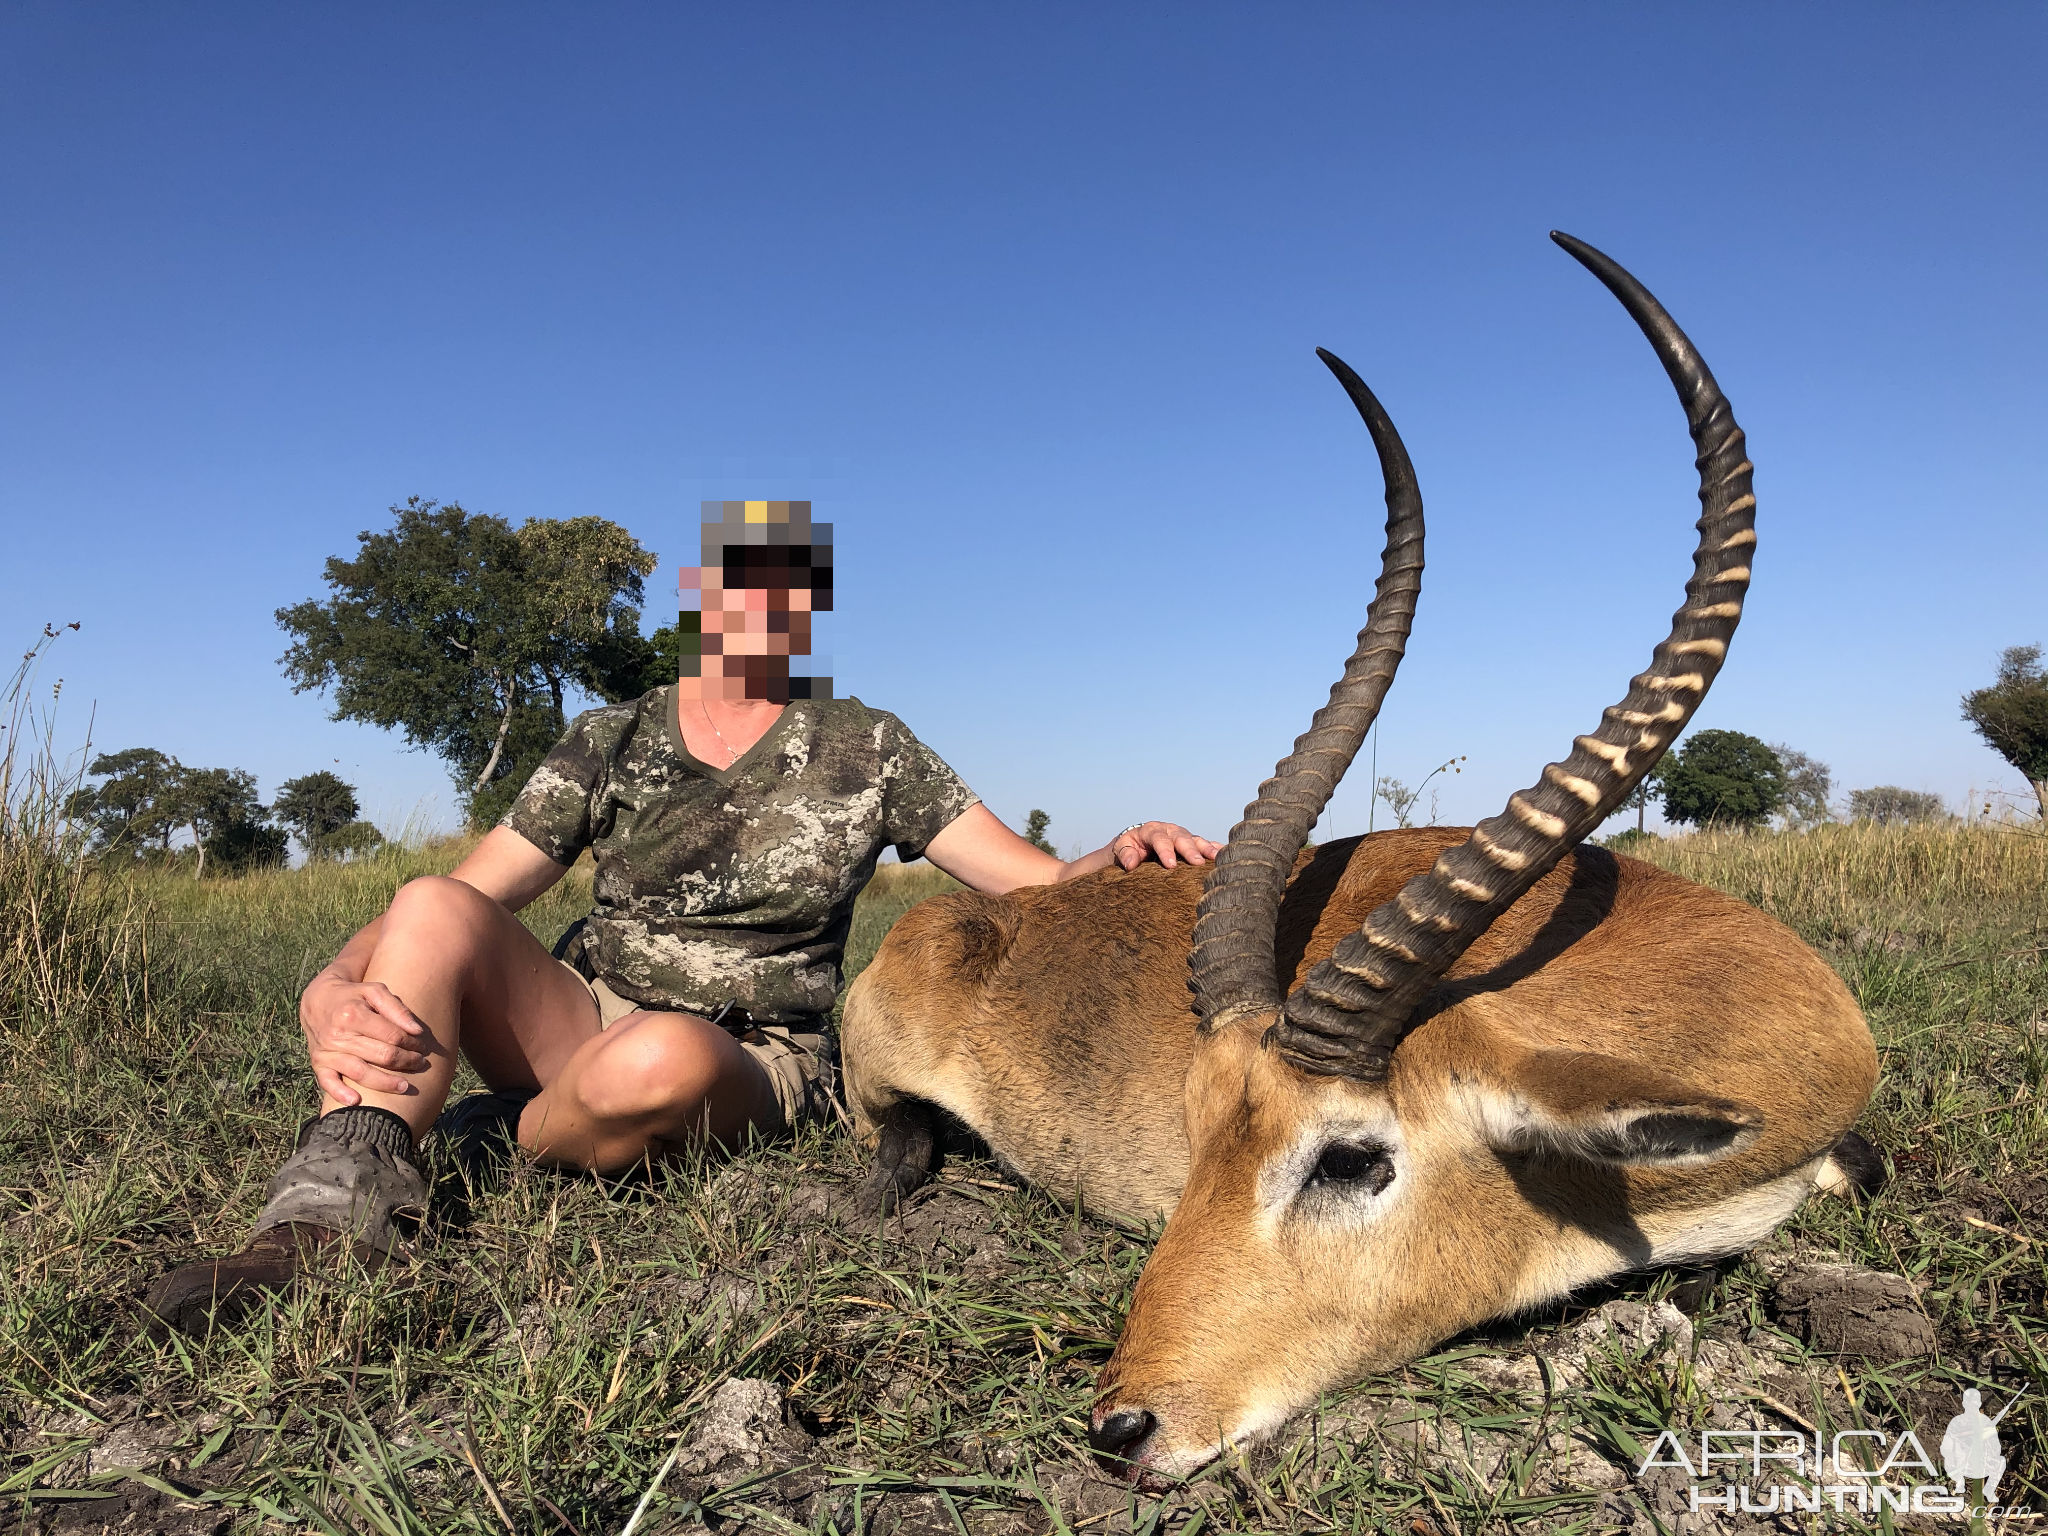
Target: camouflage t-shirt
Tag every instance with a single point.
(735, 883)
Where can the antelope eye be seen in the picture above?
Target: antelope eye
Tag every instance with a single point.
(1345, 1165)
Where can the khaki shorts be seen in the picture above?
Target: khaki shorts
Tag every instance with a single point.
(800, 1063)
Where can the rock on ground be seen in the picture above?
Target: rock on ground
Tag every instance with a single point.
(741, 1430)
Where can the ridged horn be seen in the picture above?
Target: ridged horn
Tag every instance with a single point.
(1232, 962)
(1351, 1009)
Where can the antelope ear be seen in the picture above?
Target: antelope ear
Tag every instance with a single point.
(1607, 1110)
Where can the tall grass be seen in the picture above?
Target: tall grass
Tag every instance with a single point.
(72, 944)
(1837, 883)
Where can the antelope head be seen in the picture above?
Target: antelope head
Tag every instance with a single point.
(1349, 1204)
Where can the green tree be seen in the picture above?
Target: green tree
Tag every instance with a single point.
(227, 820)
(1034, 832)
(315, 806)
(2012, 716)
(136, 802)
(1723, 778)
(1809, 783)
(466, 634)
(585, 578)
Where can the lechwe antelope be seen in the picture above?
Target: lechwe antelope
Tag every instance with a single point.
(1501, 1069)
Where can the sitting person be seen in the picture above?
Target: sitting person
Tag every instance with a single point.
(732, 827)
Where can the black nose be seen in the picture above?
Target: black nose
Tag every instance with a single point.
(1119, 1435)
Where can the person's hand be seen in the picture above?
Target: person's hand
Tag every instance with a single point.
(1164, 841)
(358, 1032)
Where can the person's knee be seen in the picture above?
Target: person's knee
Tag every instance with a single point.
(438, 908)
(662, 1064)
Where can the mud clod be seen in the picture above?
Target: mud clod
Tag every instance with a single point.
(1843, 1309)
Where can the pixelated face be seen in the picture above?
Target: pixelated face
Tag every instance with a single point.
(766, 620)
(767, 568)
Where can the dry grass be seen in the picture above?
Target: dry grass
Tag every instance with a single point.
(1837, 881)
(68, 942)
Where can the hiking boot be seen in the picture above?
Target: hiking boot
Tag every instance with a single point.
(230, 1289)
(352, 1181)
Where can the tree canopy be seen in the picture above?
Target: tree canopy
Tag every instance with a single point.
(2012, 716)
(1809, 783)
(465, 634)
(137, 803)
(1723, 778)
(315, 805)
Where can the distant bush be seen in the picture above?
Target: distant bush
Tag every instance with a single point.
(245, 845)
(1630, 840)
(355, 837)
(1401, 799)
(1890, 806)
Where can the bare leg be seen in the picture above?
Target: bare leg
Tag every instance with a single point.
(481, 984)
(652, 1083)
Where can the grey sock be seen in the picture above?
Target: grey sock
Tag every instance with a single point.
(355, 1171)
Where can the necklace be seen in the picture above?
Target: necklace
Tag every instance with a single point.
(731, 756)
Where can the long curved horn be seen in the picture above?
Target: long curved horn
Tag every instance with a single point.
(1350, 1010)
(1232, 962)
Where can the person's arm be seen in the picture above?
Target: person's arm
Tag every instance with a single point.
(979, 851)
(361, 1031)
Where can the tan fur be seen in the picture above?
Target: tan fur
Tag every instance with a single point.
(1613, 1001)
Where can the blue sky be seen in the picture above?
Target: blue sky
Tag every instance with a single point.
(1025, 300)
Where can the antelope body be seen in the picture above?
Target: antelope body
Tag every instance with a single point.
(1427, 1077)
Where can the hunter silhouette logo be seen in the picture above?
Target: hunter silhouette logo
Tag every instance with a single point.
(1969, 1447)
